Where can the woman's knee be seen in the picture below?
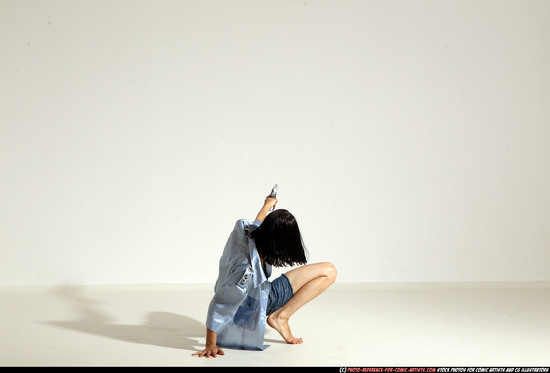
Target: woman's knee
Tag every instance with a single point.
(330, 271)
(300, 276)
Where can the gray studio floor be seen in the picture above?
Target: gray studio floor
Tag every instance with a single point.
(432, 324)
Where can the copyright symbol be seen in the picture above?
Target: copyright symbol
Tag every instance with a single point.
(343, 369)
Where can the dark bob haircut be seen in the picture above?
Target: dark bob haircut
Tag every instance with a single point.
(279, 241)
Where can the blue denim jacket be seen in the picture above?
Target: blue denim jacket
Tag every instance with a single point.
(237, 312)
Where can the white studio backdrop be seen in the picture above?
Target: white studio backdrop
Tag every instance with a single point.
(409, 138)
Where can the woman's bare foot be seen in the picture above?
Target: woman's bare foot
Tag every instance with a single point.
(280, 324)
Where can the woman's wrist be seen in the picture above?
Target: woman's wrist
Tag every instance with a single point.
(211, 338)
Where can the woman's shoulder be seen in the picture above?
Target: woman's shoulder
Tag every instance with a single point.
(245, 226)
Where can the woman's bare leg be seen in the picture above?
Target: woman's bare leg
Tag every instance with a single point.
(307, 283)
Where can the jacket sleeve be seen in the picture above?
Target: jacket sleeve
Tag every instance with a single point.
(228, 298)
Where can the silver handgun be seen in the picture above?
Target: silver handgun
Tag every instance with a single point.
(274, 193)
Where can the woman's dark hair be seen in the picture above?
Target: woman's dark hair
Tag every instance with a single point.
(279, 241)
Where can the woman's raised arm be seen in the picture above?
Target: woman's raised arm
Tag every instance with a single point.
(269, 203)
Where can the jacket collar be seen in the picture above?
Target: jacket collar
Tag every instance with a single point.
(259, 275)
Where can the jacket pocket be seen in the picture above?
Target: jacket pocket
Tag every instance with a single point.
(247, 314)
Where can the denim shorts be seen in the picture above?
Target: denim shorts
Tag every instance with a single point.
(281, 292)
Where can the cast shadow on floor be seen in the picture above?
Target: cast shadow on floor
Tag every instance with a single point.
(164, 329)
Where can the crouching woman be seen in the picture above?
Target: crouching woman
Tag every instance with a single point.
(245, 300)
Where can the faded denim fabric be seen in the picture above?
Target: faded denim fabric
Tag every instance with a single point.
(237, 312)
